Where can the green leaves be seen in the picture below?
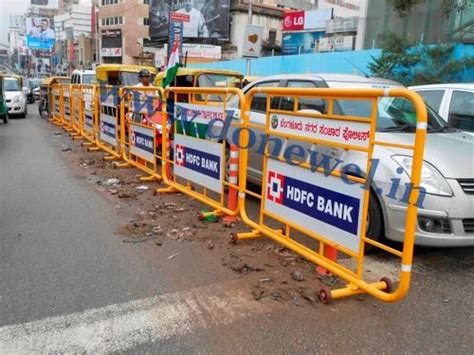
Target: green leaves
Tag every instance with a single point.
(411, 64)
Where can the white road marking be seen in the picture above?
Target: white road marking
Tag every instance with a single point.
(127, 325)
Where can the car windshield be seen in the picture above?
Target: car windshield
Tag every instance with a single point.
(88, 79)
(394, 114)
(130, 79)
(216, 81)
(33, 83)
(12, 85)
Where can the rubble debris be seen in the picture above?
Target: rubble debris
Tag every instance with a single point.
(297, 276)
(111, 182)
(68, 149)
(138, 240)
(173, 256)
(210, 245)
(142, 188)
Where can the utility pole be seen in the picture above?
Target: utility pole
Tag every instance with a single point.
(249, 19)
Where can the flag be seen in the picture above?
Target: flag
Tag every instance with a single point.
(173, 65)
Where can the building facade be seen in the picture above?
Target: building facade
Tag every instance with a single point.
(123, 26)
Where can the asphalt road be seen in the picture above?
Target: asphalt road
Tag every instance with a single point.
(68, 284)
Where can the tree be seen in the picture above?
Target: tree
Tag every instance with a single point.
(417, 64)
(449, 7)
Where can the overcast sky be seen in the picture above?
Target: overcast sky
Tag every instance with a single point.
(7, 8)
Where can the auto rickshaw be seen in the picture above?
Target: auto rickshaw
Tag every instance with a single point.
(120, 74)
(46, 100)
(3, 104)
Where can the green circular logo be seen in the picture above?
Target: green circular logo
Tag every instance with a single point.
(274, 122)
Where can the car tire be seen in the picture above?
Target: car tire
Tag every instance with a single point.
(5, 118)
(25, 113)
(375, 228)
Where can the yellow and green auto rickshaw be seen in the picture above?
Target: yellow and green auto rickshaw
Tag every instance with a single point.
(121, 74)
(3, 103)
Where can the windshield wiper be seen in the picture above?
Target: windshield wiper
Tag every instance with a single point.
(406, 127)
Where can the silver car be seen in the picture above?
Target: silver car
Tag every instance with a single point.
(446, 218)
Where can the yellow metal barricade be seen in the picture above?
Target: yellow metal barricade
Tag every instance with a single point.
(66, 107)
(109, 121)
(75, 103)
(142, 108)
(88, 112)
(56, 116)
(195, 160)
(303, 203)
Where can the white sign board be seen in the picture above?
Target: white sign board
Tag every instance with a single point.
(325, 205)
(200, 161)
(142, 142)
(348, 24)
(317, 19)
(111, 52)
(334, 131)
(252, 41)
(340, 43)
(108, 129)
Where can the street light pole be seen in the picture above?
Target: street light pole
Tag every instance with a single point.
(249, 19)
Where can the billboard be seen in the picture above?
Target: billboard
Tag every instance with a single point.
(306, 20)
(39, 33)
(207, 19)
(111, 43)
(252, 41)
(300, 42)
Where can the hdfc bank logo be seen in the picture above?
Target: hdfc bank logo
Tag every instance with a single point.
(275, 187)
(133, 138)
(179, 155)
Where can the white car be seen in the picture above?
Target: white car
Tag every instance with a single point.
(83, 77)
(446, 218)
(453, 102)
(15, 97)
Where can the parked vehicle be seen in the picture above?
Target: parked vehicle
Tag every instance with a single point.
(37, 93)
(121, 75)
(15, 96)
(45, 101)
(83, 77)
(447, 216)
(31, 85)
(3, 103)
(453, 102)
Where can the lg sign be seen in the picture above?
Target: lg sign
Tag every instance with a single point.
(293, 21)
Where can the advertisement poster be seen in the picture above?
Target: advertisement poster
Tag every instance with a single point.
(39, 33)
(300, 42)
(207, 19)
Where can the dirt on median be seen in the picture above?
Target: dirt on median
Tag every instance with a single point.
(272, 272)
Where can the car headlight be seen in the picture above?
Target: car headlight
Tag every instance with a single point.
(431, 179)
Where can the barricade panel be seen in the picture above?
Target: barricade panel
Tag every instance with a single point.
(56, 104)
(75, 103)
(196, 156)
(87, 111)
(66, 105)
(142, 108)
(306, 198)
(108, 138)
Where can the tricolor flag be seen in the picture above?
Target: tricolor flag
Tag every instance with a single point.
(173, 65)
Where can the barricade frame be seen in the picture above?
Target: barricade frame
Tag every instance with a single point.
(88, 135)
(169, 177)
(67, 120)
(56, 101)
(127, 101)
(356, 283)
(115, 152)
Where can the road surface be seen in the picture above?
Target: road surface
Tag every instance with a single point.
(68, 283)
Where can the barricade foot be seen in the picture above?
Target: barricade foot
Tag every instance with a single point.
(150, 178)
(68, 129)
(77, 137)
(326, 295)
(235, 237)
(109, 158)
(168, 189)
(93, 149)
(118, 165)
(86, 144)
(229, 221)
